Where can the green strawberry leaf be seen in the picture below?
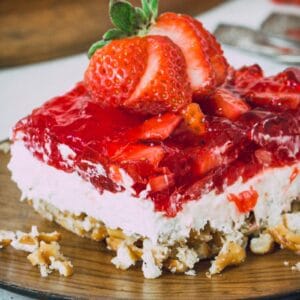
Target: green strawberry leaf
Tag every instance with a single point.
(123, 15)
(113, 34)
(146, 8)
(142, 18)
(96, 46)
(154, 9)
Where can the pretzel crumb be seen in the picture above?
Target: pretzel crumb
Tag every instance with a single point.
(5, 147)
(296, 267)
(43, 248)
(6, 237)
(231, 254)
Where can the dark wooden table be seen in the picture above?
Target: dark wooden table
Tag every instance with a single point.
(35, 30)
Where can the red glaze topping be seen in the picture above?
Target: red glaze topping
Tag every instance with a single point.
(178, 164)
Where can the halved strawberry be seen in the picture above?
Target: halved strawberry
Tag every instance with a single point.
(161, 182)
(140, 152)
(145, 75)
(156, 128)
(115, 70)
(228, 105)
(164, 85)
(206, 65)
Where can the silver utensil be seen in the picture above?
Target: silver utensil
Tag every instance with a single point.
(258, 42)
(283, 26)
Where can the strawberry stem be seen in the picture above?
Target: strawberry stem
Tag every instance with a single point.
(128, 21)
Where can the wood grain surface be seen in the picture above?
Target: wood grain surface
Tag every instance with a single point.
(96, 277)
(35, 30)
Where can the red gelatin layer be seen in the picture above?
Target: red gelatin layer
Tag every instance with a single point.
(176, 164)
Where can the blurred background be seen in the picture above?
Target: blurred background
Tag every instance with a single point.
(37, 30)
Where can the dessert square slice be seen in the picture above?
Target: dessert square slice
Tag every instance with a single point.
(166, 154)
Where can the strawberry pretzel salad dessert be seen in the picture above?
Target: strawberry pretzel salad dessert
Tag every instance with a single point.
(165, 152)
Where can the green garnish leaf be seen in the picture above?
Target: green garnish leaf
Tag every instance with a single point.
(123, 15)
(96, 46)
(141, 16)
(113, 34)
(128, 20)
(154, 9)
(146, 8)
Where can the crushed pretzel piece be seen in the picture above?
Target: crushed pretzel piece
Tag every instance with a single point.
(125, 257)
(113, 243)
(27, 242)
(5, 147)
(99, 234)
(262, 244)
(175, 266)
(116, 233)
(230, 254)
(49, 237)
(296, 267)
(6, 237)
(285, 237)
(187, 256)
(48, 257)
(64, 268)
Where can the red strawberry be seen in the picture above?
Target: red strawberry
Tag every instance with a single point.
(282, 101)
(264, 157)
(164, 86)
(281, 92)
(208, 158)
(161, 182)
(206, 65)
(115, 70)
(157, 128)
(228, 105)
(146, 75)
(139, 152)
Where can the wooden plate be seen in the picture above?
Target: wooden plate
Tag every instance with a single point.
(95, 276)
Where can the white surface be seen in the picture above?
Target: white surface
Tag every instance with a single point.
(69, 192)
(23, 88)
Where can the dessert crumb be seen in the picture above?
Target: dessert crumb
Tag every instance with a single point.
(296, 267)
(190, 273)
(5, 147)
(286, 263)
(43, 249)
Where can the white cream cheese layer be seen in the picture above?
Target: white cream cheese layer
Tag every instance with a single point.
(69, 192)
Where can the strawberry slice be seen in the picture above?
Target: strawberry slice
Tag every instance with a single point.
(228, 105)
(140, 152)
(115, 70)
(206, 65)
(164, 85)
(280, 92)
(157, 128)
(207, 158)
(282, 101)
(161, 182)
